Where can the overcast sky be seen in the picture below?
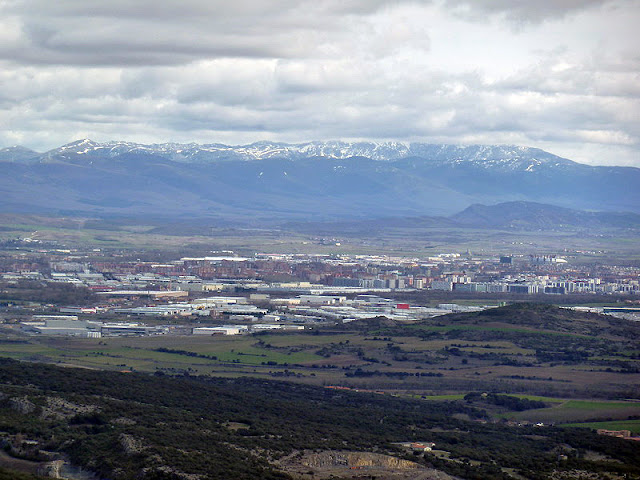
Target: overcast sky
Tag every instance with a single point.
(562, 75)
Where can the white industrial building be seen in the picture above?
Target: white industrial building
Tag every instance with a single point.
(222, 330)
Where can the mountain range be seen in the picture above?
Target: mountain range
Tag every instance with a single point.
(316, 180)
(488, 156)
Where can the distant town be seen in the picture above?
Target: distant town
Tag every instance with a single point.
(228, 294)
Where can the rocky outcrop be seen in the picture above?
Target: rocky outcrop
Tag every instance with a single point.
(173, 473)
(130, 444)
(358, 460)
(305, 465)
(51, 469)
(22, 405)
(60, 408)
(123, 421)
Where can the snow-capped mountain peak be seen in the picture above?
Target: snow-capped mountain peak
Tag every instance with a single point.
(502, 157)
(331, 178)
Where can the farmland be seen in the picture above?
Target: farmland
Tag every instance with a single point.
(583, 367)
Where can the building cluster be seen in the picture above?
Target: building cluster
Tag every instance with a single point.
(73, 326)
(229, 294)
(537, 284)
(236, 315)
(313, 274)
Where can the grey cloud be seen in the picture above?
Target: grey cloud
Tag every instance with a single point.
(144, 32)
(134, 43)
(577, 81)
(156, 9)
(522, 11)
(232, 99)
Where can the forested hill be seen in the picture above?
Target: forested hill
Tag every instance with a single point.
(533, 317)
(554, 319)
(126, 426)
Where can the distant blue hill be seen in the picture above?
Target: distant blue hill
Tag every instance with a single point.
(531, 215)
(317, 180)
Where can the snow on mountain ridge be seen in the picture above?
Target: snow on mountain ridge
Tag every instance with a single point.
(508, 157)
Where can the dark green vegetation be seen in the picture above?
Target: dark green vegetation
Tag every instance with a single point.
(7, 474)
(134, 426)
(507, 401)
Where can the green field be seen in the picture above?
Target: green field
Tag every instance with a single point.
(579, 411)
(631, 425)
(560, 409)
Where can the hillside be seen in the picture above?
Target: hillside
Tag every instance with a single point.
(512, 216)
(531, 215)
(552, 319)
(126, 426)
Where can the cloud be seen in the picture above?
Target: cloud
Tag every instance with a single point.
(522, 11)
(451, 71)
(71, 32)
